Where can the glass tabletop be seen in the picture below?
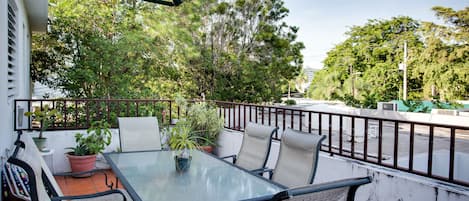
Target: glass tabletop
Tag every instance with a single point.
(152, 176)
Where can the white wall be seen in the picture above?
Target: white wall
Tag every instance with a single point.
(5, 121)
(22, 79)
(387, 184)
(60, 140)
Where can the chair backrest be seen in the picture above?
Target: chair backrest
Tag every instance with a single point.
(298, 158)
(255, 147)
(341, 190)
(27, 157)
(139, 133)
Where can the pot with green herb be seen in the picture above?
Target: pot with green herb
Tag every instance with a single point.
(45, 117)
(82, 157)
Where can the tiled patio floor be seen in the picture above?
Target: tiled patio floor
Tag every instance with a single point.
(89, 185)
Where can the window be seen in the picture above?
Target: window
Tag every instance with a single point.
(12, 50)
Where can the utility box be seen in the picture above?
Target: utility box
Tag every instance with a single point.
(387, 106)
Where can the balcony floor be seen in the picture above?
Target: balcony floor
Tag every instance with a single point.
(88, 185)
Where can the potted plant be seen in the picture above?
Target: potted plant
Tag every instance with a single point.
(45, 117)
(206, 123)
(83, 155)
(182, 140)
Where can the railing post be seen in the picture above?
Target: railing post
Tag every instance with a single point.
(430, 152)
(292, 117)
(396, 143)
(76, 113)
(65, 113)
(301, 120)
(330, 135)
(244, 108)
(320, 123)
(411, 148)
(352, 142)
(262, 113)
(451, 154)
(365, 141)
(284, 125)
(270, 114)
(341, 134)
(380, 141)
(239, 116)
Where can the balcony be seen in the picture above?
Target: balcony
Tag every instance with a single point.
(408, 159)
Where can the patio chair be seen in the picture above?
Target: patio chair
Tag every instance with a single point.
(297, 160)
(40, 181)
(139, 134)
(255, 147)
(341, 190)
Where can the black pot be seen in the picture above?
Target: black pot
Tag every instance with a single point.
(182, 164)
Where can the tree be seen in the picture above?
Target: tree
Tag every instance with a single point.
(247, 52)
(443, 64)
(240, 50)
(114, 49)
(366, 62)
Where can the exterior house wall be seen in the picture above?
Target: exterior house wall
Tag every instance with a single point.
(22, 88)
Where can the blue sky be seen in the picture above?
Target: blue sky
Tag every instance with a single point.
(323, 23)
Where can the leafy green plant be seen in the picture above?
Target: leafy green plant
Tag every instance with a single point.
(182, 138)
(290, 102)
(437, 104)
(205, 122)
(95, 141)
(415, 106)
(45, 116)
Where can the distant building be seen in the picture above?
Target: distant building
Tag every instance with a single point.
(43, 91)
(310, 74)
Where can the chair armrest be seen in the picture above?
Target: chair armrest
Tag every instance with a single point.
(100, 194)
(352, 184)
(230, 156)
(261, 171)
(78, 174)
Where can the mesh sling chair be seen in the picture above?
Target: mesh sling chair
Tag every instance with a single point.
(42, 184)
(297, 160)
(139, 134)
(341, 190)
(255, 147)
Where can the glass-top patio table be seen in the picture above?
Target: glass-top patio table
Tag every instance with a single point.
(151, 175)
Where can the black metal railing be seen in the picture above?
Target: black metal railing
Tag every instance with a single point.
(389, 142)
(79, 113)
(409, 146)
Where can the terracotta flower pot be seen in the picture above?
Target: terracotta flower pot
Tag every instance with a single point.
(82, 163)
(207, 148)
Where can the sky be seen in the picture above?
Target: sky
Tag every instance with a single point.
(323, 23)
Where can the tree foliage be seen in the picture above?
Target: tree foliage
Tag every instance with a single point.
(364, 68)
(240, 50)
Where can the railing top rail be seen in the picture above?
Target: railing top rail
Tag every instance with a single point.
(91, 99)
(355, 116)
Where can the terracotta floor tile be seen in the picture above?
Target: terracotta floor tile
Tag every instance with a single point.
(89, 185)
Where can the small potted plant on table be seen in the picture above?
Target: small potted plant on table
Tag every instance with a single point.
(182, 140)
(45, 117)
(83, 156)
